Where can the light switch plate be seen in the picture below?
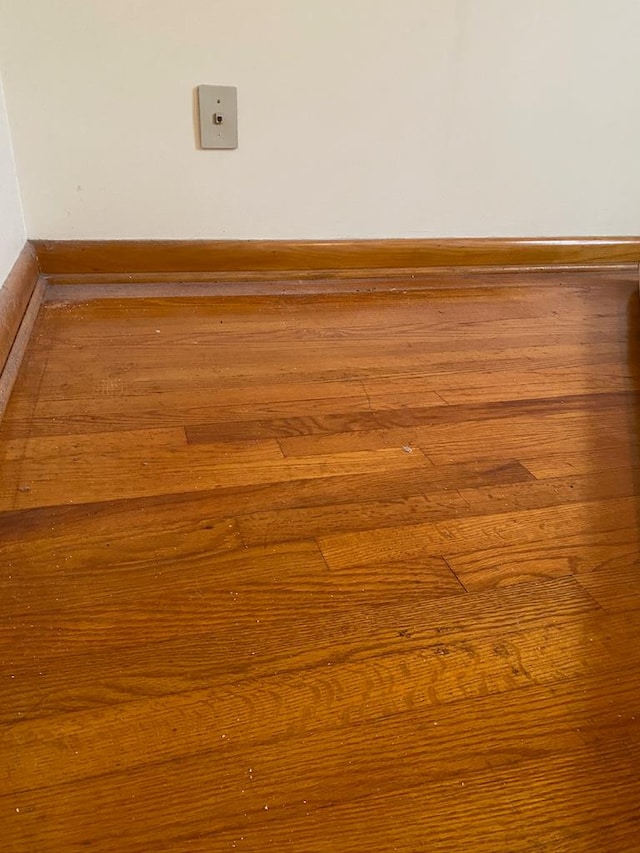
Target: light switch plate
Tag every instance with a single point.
(218, 108)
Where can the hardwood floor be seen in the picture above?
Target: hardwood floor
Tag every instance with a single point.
(325, 572)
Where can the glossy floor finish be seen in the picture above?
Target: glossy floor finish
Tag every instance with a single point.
(330, 572)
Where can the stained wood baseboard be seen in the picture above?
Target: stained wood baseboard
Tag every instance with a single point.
(15, 294)
(12, 364)
(20, 298)
(291, 257)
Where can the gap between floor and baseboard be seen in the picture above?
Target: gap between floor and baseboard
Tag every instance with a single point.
(86, 269)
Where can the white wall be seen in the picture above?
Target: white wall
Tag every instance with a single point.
(358, 118)
(12, 230)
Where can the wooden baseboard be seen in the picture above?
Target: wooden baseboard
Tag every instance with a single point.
(15, 294)
(20, 298)
(135, 257)
(16, 354)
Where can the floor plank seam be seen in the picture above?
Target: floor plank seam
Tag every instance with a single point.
(448, 564)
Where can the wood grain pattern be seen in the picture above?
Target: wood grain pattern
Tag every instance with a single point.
(154, 256)
(148, 462)
(517, 664)
(132, 668)
(523, 494)
(325, 571)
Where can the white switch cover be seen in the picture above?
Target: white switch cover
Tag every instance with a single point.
(218, 107)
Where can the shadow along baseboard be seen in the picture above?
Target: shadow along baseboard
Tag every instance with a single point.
(275, 257)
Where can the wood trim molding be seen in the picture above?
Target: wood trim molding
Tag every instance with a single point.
(15, 294)
(11, 367)
(20, 298)
(89, 257)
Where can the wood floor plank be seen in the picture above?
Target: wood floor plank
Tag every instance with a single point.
(557, 556)
(615, 584)
(459, 536)
(287, 707)
(556, 801)
(601, 485)
(97, 658)
(476, 386)
(428, 411)
(320, 571)
(279, 778)
(578, 463)
(209, 570)
(586, 433)
(238, 589)
(310, 522)
(236, 422)
(282, 525)
(516, 437)
(122, 465)
(414, 681)
(162, 373)
(39, 533)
